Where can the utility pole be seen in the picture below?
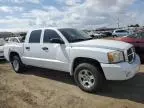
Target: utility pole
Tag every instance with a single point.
(118, 23)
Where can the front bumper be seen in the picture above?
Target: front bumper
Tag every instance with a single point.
(121, 71)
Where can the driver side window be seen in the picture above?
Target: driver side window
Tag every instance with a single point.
(49, 35)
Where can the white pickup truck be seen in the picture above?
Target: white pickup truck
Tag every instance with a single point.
(90, 61)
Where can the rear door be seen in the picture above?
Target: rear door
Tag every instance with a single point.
(32, 49)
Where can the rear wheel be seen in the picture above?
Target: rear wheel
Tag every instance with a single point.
(88, 77)
(17, 65)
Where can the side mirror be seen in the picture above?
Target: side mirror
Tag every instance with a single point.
(56, 40)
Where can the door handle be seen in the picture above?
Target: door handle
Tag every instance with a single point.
(28, 48)
(45, 48)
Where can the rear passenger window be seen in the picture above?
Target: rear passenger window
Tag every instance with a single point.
(50, 34)
(35, 36)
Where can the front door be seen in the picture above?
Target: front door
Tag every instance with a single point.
(54, 55)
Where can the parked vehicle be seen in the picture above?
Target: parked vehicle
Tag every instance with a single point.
(1, 52)
(2, 42)
(137, 39)
(107, 34)
(14, 40)
(95, 34)
(90, 61)
(120, 32)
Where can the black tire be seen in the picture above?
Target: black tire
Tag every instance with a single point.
(95, 71)
(20, 65)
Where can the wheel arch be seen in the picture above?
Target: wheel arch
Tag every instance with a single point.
(80, 60)
(11, 54)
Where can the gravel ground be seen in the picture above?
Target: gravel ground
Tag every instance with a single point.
(41, 88)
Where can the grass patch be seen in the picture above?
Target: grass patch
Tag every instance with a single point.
(3, 61)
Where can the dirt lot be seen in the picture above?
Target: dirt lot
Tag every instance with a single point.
(39, 88)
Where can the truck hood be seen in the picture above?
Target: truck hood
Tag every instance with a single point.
(103, 43)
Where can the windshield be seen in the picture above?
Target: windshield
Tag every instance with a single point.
(2, 41)
(133, 35)
(73, 35)
(137, 35)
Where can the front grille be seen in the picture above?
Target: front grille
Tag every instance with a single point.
(131, 54)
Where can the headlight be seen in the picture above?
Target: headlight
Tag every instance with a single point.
(115, 57)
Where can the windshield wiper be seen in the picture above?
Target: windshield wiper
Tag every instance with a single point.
(89, 38)
(77, 40)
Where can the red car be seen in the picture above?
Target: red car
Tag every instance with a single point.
(137, 40)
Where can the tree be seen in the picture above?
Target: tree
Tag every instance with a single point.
(136, 25)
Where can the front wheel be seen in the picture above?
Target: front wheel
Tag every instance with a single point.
(17, 64)
(88, 77)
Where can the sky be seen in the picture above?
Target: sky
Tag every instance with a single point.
(82, 14)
